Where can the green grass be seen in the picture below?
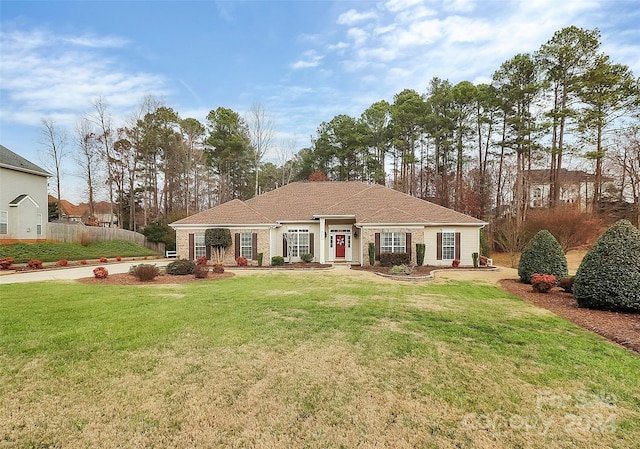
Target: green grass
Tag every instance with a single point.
(53, 252)
(310, 360)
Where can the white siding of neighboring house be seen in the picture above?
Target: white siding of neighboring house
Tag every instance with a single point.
(23, 219)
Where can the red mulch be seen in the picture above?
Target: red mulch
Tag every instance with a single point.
(621, 328)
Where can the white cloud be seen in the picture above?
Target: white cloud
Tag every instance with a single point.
(352, 17)
(43, 74)
(312, 59)
(357, 35)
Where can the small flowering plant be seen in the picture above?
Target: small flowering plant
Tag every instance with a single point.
(103, 260)
(119, 258)
(455, 263)
(63, 262)
(542, 283)
(100, 273)
(5, 263)
(242, 261)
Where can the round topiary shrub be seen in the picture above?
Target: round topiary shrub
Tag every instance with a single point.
(181, 267)
(609, 275)
(543, 254)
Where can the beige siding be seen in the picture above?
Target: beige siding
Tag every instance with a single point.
(469, 244)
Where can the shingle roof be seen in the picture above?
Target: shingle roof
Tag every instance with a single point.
(308, 200)
(9, 159)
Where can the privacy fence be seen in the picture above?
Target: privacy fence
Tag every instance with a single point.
(79, 233)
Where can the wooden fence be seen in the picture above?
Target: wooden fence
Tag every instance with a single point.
(79, 233)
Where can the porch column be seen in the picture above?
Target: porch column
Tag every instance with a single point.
(323, 231)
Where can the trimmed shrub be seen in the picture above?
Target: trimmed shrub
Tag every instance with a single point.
(475, 260)
(103, 260)
(34, 264)
(609, 276)
(277, 261)
(260, 257)
(63, 263)
(202, 271)
(119, 258)
(542, 283)
(100, 273)
(181, 267)
(144, 272)
(455, 263)
(420, 251)
(372, 253)
(242, 261)
(5, 263)
(307, 257)
(83, 262)
(391, 259)
(543, 254)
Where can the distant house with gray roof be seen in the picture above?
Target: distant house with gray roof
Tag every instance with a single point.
(334, 221)
(23, 198)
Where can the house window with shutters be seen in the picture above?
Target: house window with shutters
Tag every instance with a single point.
(246, 245)
(448, 245)
(4, 222)
(393, 242)
(200, 250)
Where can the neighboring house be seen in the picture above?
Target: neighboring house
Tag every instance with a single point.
(70, 212)
(576, 187)
(23, 198)
(334, 221)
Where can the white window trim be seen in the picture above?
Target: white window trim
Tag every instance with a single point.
(4, 220)
(395, 246)
(246, 250)
(294, 247)
(452, 246)
(199, 248)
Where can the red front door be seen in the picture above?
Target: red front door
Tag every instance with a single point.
(341, 244)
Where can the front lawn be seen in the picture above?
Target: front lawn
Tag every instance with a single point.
(305, 360)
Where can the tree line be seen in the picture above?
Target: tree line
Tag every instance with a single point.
(467, 146)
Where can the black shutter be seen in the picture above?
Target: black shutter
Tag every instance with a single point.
(439, 246)
(284, 247)
(207, 252)
(458, 245)
(237, 245)
(311, 243)
(254, 246)
(408, 243)
(377, 244)
(191, 246)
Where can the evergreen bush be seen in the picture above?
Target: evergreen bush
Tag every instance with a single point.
(181, 267)
(543, 254)
(609, 276)
(391, 259)
(485, 248)
(420, 250)
(144, 272)
(372, 253)
(277, 261)
(306, 257)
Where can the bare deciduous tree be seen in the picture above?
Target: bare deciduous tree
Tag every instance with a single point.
(54, 140)
(261, 132)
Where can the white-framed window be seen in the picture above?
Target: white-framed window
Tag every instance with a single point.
(246, 245)
(448, 245)
(39, 224)
(4, 222)
(537, 193)
(393, 242)
(298, 241)
(199, 248)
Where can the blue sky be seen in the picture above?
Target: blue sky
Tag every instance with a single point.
(304, 61)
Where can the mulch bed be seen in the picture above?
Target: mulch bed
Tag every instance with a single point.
(621, 328)
(128, 279)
